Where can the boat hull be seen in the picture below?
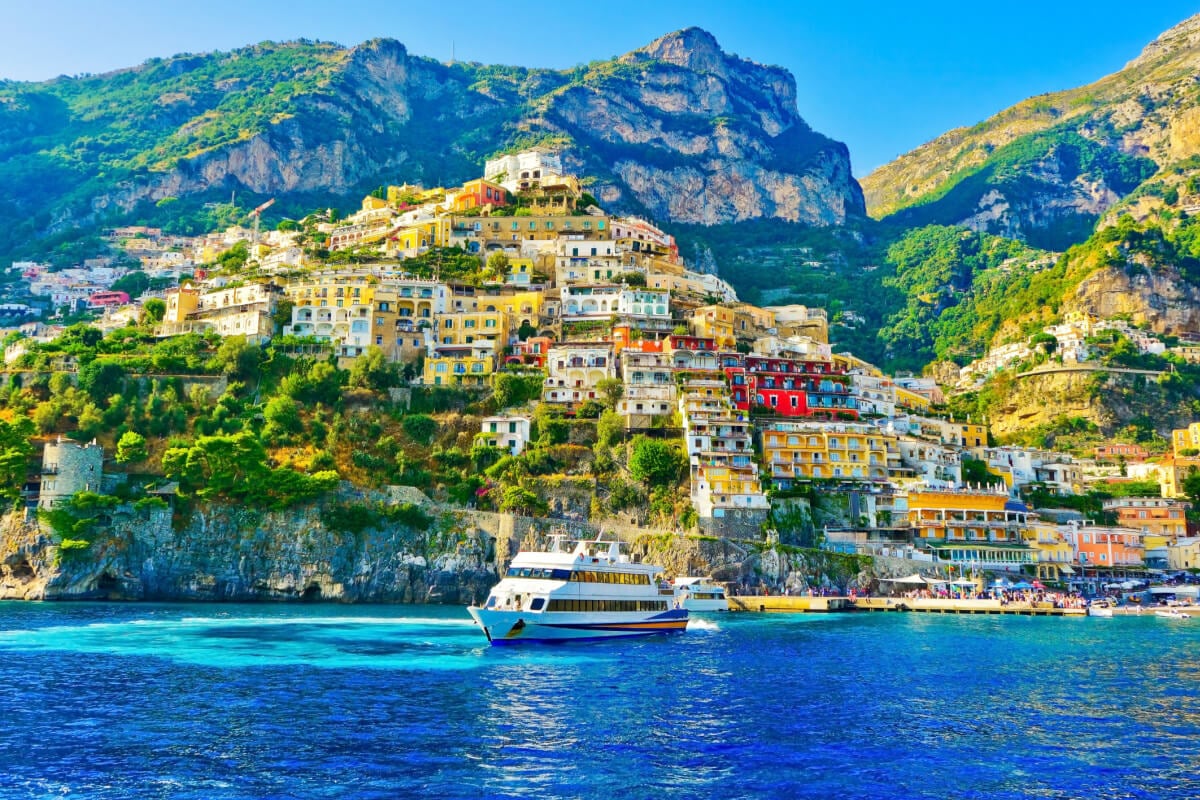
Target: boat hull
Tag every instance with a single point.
(524, 627)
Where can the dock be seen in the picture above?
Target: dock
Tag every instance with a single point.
(782, 603)
(800, 604)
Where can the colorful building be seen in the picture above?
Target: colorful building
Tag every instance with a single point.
(1101, 547)
(1155, 515)
(802, 451)
(972, 527)
(574, 369)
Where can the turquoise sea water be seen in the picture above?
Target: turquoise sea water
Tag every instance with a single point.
(199, 701)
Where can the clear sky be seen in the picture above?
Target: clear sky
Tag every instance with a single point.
(882, 76)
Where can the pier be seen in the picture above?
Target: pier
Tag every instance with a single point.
(782, 603)
(798, 604)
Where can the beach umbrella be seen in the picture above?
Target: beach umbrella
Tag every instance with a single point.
(1038, 585)
(1022, 585)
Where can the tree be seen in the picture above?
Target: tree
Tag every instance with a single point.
(15, 451)
(518, 498)
(372, 370)
(133, 284)
(497, 265)
(612, 390)
(236, 357)
(282, 417)
(153, 310)
(655, 462)
(131, 448)
(589, 409)
(609, 429)
(420, 427)
(1191, 487)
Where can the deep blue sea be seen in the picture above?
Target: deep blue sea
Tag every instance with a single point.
(264, 701)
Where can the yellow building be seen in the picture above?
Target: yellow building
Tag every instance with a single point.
(1186, 441)
(460, 365)
(373, 203)
(535, 227)
(1183, 554)
(967, 434)
(807, 450)
(553, 195)
(962, 515)
(467, 347)
(751, 322)
(180, 303)
(416, 237)
(334, 289)
(1054, 552)
(519, 308)
(916, 402)
(716, 323)
(468, 327)
(972, 528)
(403, 312)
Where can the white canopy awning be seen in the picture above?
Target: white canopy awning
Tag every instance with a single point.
(913, 579)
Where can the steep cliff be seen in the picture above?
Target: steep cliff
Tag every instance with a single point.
(1046, 169)
(678, 129)
(234, 553)
(229, 553)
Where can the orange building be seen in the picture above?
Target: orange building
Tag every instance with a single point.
(1100, 547)
(479, 193)
(1153, 515)
(623, 338)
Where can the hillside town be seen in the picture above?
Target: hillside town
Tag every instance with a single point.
(605, 311)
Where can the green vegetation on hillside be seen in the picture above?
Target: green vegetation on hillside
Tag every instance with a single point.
(1026, 172)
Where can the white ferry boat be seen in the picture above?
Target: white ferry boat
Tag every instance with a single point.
(699, 594)
(593, 592)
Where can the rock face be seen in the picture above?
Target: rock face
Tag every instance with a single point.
(679, 130)
(1049, 167)
(234, 554)
(1161, 299)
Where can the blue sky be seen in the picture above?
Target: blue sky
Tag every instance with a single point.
(881, 76)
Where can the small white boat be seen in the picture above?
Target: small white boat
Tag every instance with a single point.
(1100, 608)
(699, 594)
(1170, 613)
(592, 592)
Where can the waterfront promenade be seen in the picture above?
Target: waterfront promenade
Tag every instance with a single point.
(784, 603)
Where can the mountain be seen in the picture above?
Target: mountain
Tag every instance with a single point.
(1048, 168)
(678, 130)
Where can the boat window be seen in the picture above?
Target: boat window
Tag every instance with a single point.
(491, 602)
(602, 605)
(537, 604)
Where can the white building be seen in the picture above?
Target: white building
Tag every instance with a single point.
(521, 170)
(508, 432)
(574, 369)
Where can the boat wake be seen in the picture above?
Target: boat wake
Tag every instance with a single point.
(702, 625)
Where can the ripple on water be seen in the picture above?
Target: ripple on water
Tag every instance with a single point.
(257, 701)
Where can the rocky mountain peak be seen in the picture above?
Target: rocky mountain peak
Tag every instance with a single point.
(1184, 36)
(694, 49)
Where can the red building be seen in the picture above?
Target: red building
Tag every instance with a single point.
(1133, 453)
(479, 193)
(792, 387)
(108, 299)
(692, 343)
(531, 351)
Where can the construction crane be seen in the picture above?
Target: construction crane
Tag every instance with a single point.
(257, 214)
